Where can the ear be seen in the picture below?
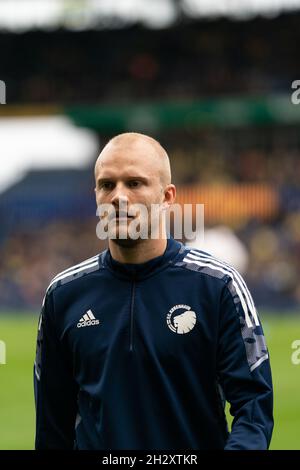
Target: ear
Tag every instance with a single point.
(169, 195)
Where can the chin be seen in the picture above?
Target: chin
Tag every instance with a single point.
(125, 242)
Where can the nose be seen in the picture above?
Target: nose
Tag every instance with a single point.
(119, 195)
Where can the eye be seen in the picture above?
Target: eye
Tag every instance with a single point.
(106, 185)
(134, 184)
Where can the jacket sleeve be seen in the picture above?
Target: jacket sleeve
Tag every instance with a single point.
(54, 387)
(244, 371)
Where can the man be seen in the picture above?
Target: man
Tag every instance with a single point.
(139, 347)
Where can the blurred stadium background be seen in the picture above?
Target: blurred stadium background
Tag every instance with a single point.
(213, 82)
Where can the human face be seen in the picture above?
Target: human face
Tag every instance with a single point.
(125, 176)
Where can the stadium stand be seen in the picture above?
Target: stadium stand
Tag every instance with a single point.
(48, 219)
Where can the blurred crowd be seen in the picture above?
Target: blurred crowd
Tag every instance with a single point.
(30, 259)
(191, 59)
(274, 260)
(188, 60)
(279, 167)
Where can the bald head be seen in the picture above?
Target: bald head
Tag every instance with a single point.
(134, 170)
(142, 148)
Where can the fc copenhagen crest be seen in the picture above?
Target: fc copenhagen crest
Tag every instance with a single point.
(181, 319)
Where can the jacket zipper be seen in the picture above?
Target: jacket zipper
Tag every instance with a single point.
(131, 315)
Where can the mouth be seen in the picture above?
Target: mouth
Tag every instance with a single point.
(122, 216)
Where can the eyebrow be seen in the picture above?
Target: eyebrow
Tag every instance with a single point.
(127, 178)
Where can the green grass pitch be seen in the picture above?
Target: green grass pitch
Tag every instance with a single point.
(16, 380)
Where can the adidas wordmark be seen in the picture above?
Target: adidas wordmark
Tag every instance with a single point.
(88, 319)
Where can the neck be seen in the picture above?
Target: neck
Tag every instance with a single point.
(140, 252)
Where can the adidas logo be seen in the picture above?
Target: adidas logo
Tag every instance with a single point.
(88, 319)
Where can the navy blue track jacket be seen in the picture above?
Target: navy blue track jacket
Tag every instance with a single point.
(143, 356)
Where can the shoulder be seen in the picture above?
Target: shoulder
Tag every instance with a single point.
(204, 263)
(236, 287)
(75, 272)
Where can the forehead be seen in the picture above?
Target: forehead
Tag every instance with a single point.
(127, 160)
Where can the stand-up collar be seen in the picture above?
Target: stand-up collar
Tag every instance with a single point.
(149, 268)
